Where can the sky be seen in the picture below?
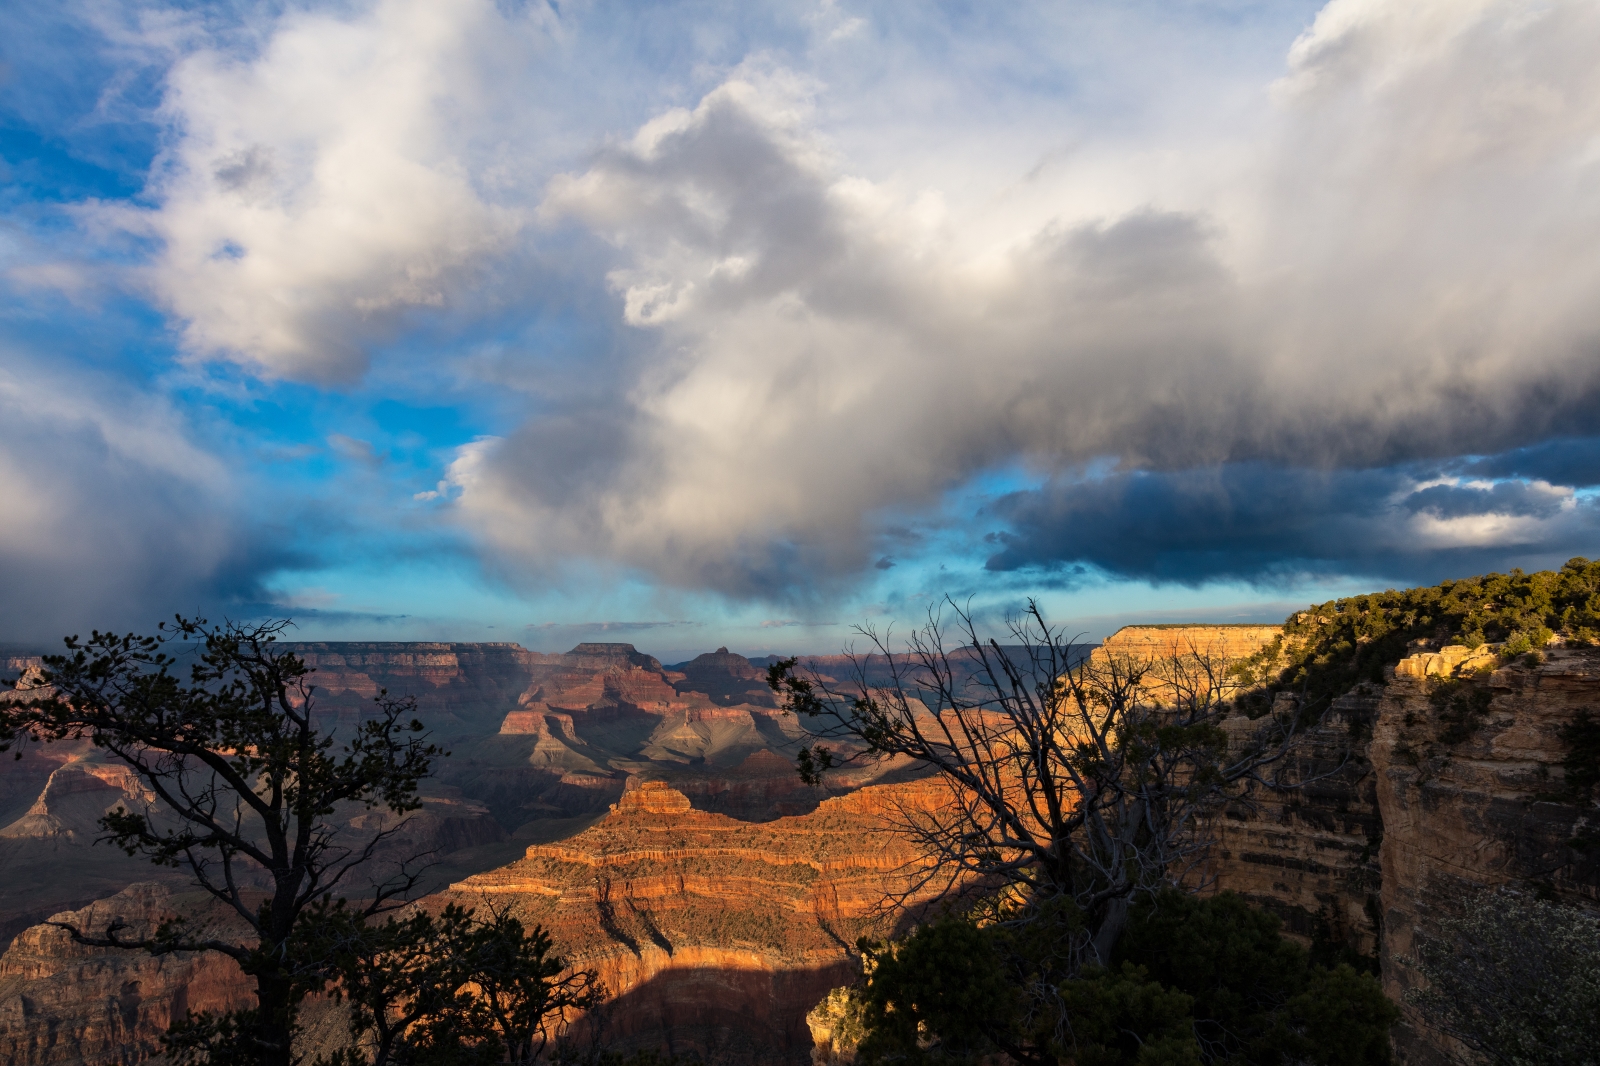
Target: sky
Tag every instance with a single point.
(691, 324)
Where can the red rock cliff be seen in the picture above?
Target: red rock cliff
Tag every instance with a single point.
(1411, 797)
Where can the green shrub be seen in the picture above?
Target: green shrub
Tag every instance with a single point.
(949, 978)
(1515, 979)
(1257, 997)
(1460, 708)
(1121, 1016)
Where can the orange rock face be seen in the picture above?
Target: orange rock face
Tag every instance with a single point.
(61, 1003)
(715, 935)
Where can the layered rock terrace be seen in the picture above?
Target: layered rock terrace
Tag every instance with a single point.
(666, 903)
(62, 1004)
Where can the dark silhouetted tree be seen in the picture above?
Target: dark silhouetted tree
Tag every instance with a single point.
(246, 783)
(446, 989)
(1077, 784)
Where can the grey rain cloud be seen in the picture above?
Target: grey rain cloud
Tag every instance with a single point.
(1564, 461)
(112, 517)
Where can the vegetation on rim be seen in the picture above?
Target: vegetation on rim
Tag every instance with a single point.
(1327, 650)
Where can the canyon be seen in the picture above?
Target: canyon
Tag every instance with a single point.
(543, 747)
(650, 817)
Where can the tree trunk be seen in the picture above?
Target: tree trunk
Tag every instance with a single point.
(1110, 931)
(274, 1030)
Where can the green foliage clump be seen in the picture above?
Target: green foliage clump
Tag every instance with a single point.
(1121, 1016)
(1257, 996)
(1515, 979)
(1327, 650)
(1193, 982)
(949, 978)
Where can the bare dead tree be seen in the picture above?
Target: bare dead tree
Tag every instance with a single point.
(1075, 784)
(247, 782)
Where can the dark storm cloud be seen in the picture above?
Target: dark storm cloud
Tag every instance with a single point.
(1510, 498)
(1265, 523)
(1571, 461)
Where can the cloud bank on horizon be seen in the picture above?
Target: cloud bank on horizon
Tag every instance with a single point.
(795, 304)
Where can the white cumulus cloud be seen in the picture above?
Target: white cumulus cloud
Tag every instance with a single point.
(1399, 266)
(324, 185)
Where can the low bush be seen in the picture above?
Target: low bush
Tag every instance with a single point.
(1194, 982)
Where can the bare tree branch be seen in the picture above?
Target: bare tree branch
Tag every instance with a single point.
(1077, 783)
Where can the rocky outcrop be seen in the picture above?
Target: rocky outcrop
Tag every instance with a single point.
(726, 678)
(1227, 641)
(75, 796)
(1470, 783)
(719, 932)
(459, 687)
(1176, 658)
(51, 801)
(62, 1004)
(1310, 854)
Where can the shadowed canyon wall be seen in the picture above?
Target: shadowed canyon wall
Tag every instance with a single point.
(66, 1005)
(1448, 776)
